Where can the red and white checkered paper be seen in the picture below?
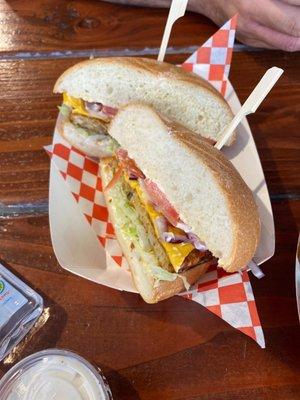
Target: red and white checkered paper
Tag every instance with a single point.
(229, 296)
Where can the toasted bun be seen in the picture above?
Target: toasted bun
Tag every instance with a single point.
(181, 96)
(151, 290)
(201, 184)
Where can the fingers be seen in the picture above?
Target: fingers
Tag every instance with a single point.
(250, 41)
(292, 2)
(274, 14)
(285, 18)
(251, 31)
(261, 23)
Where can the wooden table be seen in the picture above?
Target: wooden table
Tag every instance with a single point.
(175, 349)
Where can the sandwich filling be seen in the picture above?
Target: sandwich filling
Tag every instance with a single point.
(96, 110)
(149, 221)
(146, 216)
(84, 125)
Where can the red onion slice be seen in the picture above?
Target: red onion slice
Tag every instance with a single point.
(99, 109)
(133, 176)
(109, 111)
(256, 271)
(161, 225)
(184, 227)
(93, 107)
(170, 237)
(196, 242)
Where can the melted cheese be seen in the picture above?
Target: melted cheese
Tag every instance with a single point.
(177, 252)
(76, 104)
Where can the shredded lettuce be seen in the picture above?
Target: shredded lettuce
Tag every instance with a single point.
(64, 110)
(112, 145)
(128, 219)
(84, 132)
(161, 274)
(133, 229)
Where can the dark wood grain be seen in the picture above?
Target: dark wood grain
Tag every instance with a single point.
(55, 25)
(175, 349)
(275, 126)
(28, 110)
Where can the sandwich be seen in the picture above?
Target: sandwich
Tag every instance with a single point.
(94, 90)
(176, 203)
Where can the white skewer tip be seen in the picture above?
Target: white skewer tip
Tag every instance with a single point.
(251, 104)
(177, 10)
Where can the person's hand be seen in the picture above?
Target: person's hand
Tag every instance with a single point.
(273, 24)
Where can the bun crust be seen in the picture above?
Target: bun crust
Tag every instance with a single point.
(137, 65)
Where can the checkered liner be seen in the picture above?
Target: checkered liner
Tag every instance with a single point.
(212, 60)
(229, 296)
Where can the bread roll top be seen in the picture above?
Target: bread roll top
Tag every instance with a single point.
(179, 95)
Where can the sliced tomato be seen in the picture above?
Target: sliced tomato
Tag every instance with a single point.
(110, 111)
(160, 201)
(129, 164)
(115, 178)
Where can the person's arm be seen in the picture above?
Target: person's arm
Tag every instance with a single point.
(273, 24)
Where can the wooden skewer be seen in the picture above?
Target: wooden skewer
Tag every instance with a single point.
(177, 10)
(251, 104)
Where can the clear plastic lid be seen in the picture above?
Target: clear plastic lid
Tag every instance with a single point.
(54, 374)
(20, 307)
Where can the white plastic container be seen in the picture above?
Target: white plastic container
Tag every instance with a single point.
(54, 374)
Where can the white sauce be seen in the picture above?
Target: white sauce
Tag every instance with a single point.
(56, 377)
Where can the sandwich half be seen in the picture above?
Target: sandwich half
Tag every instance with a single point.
(94, 90)
(176, 203)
